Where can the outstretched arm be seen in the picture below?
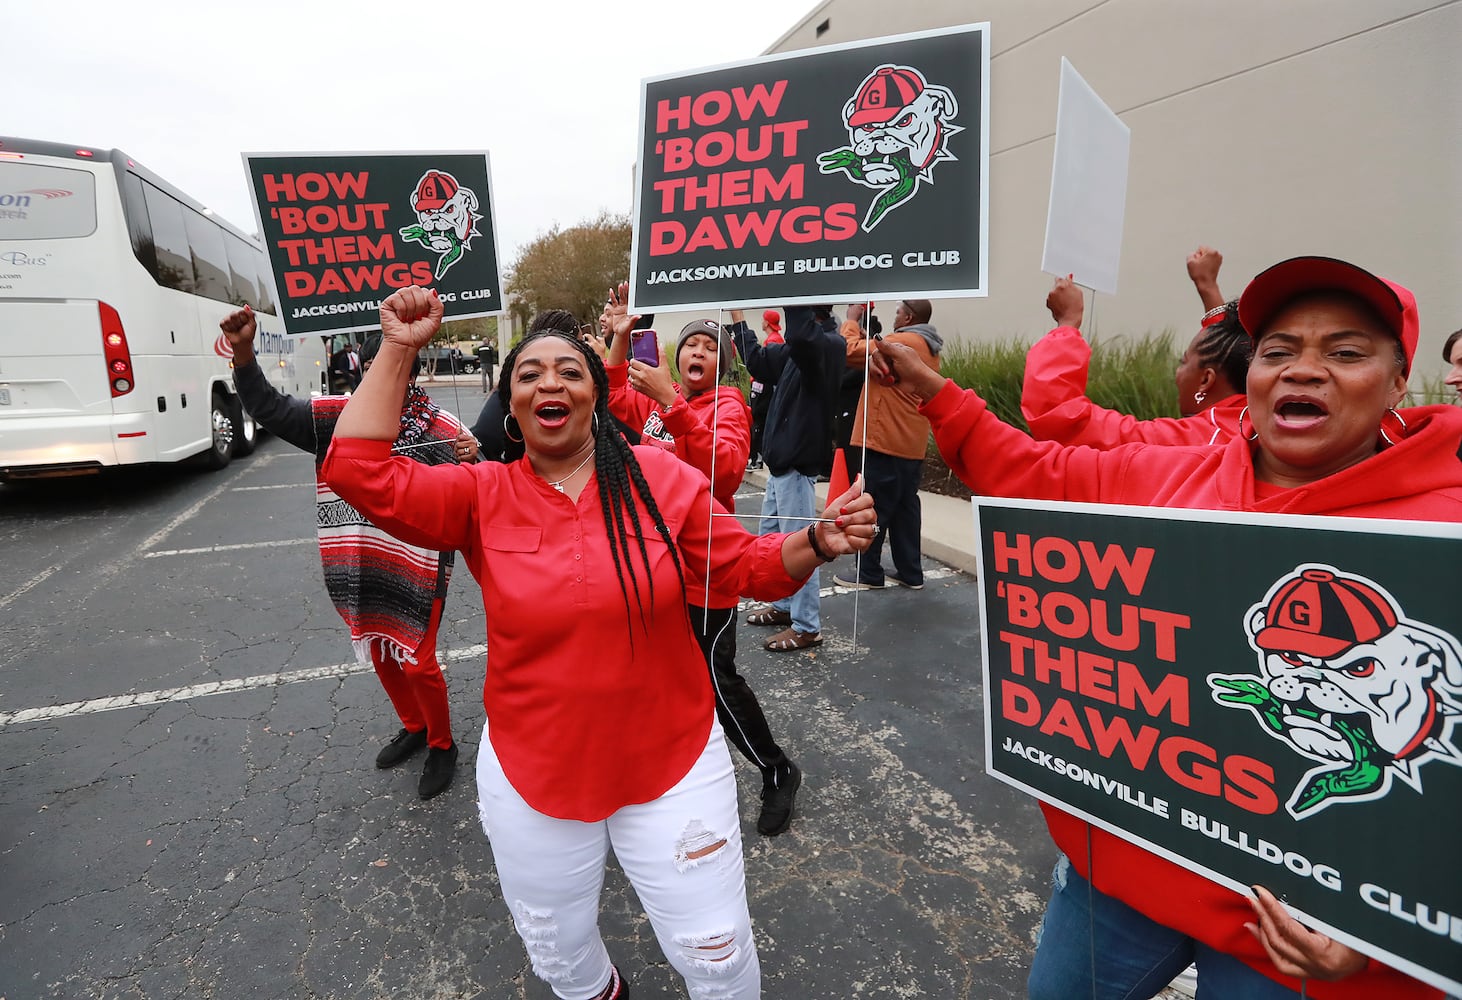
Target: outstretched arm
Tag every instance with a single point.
(994, 458)
(848, 526)
(430, 506)
(763, 361)
(282, 415)
(1067, 303)
(1203, 265)
(629, 406)
(768, 567)
(617, 324)
(409, 319)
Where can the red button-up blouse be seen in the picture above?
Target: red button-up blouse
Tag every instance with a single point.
(592, 706)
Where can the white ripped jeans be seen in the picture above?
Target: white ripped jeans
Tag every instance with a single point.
(681, 852)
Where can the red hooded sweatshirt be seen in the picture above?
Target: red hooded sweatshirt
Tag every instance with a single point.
(710, 432)
(1054, 403)
(1419, 479)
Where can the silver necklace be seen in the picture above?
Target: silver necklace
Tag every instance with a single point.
(559, 485)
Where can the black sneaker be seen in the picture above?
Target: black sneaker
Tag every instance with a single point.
(901, 582)
(437, 774)
(406, 744)
(851, 582)
(777, 801)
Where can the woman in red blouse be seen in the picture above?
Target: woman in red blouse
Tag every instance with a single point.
(600, 727)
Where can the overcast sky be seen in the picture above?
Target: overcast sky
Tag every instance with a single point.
(549, 87)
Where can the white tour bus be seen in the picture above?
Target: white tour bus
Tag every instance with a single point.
(112, 285)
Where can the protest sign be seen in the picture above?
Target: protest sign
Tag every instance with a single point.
(846, 173)
(1088, 187)
(345, 230)
(1266, 700)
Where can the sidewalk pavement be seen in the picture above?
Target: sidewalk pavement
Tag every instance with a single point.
(948, 524)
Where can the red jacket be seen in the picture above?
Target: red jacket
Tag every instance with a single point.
(1418, 479)
(1054, 403)
(589, 710)
(710, 432)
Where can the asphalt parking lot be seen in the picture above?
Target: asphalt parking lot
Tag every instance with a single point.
(189, 808)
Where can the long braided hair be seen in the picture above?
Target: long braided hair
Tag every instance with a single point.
(1226, 347)
(615, 464)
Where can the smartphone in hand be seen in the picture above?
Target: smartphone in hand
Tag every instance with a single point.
(645, 346)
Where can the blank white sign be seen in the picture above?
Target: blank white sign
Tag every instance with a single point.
(1088, 187)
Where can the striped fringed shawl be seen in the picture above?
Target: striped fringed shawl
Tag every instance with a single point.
(382, 587)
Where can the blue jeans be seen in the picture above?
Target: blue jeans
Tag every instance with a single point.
(1135, 956)
(790, 495)
(894, 483)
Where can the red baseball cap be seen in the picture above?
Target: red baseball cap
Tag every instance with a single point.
(1273, 289)
(884, 94)
(1319, 613)
(434, 190)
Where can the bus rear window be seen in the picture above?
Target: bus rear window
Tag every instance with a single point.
(39, 202)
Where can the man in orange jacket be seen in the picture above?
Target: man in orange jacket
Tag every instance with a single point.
(894, 438)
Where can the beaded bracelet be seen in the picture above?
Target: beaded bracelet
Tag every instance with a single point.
(1215, 311)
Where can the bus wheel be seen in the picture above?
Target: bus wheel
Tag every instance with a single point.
(247, 436)
(222, 421)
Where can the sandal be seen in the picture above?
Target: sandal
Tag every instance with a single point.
(790, 639)
(768, 615)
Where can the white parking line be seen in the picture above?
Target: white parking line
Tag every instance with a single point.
(30, 584)
(277, 486)
(227, 548)
(184, 517)
(144, 699)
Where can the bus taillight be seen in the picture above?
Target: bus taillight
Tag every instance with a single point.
(114, 348)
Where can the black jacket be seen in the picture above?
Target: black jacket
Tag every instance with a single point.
(285, 417)
(803, 376)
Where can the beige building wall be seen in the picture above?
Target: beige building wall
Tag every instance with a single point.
(1265, 128)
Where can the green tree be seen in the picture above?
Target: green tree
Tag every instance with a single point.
(571, 269)
(451, 333)
(475, 330)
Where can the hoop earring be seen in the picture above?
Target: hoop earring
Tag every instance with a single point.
(594, 423)
(1391, 412)
(1247, 437)
(508, 431)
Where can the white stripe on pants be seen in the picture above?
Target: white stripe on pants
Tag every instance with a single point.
(681, 852)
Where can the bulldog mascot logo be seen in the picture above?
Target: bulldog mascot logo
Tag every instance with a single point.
(1348, 681)
(447, 218)
(898, 129)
